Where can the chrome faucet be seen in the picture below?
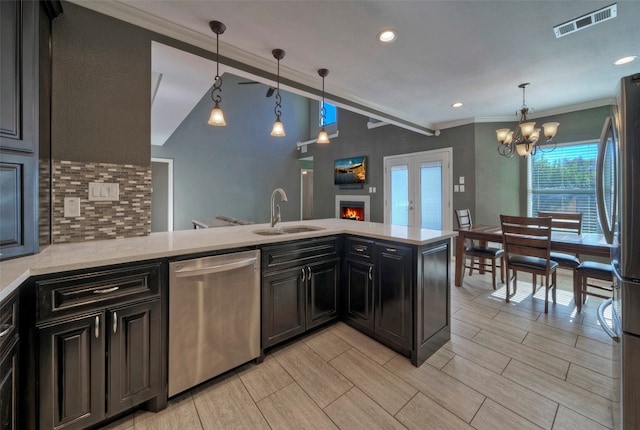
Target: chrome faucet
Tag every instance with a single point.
(275, 209)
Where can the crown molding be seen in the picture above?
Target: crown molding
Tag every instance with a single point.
(538, 114)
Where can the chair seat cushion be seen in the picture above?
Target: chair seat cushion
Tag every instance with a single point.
(484, 252)
(593, 269)
(535, 263)
(565, 260)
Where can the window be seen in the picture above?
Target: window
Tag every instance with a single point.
(564, 181)
(331, 114)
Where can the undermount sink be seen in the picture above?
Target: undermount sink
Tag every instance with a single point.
(287, 230)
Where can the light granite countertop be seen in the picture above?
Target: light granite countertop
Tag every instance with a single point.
(83, 255)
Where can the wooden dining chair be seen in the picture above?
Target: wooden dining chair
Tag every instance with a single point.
(527, 247)
(569, 222)
(481, 257)
(594, 270)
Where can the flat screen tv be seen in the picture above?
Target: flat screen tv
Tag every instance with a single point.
(350, 171)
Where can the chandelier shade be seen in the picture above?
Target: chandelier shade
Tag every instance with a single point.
(524, 139)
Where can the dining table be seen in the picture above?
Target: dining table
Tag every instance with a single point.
(591, 244)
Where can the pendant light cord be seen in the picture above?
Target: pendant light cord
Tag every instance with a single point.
(217, 84)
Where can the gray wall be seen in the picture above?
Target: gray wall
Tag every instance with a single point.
(232, 170)
(101, 113)
(356, 139)
(101, 95)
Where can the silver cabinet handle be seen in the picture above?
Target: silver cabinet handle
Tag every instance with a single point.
(106, 290)
(115, 322)
(371, 273)
(6, 330)
(359, 248)
(309, 273)
(304, 275)
(97, 328)
(391, 250)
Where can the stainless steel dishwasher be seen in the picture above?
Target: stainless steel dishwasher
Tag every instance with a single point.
(214, 316)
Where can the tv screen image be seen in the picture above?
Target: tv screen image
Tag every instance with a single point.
(350, 171)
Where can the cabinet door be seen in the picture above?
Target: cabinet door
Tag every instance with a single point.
(393, 281)
(72, 373)
(358, 293)
(322, 292)
(134, 355)
(9, 389)
(282, 305)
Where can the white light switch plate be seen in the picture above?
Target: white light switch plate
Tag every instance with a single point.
(71, 207)
(456, 188)
(104, 191)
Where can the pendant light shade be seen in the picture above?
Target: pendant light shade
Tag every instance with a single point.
(217, 117)
(323, 137)
(278, 126)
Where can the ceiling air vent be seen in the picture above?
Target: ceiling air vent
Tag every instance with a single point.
(593, 18)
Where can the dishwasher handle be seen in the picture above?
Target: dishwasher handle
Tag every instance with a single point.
(183, 273)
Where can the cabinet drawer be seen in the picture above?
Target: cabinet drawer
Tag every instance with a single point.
(298, 253)
(8, 322)
(359, 248)
(80, 292)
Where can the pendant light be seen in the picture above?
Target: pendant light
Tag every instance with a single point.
(323, 137)
(278, 127)
(217, 117)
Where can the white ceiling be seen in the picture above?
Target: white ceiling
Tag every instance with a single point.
(473, 51)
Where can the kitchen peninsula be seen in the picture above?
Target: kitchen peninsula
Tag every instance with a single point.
(390, 282)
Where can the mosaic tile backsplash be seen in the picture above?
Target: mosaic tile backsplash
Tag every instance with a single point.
(130, 216)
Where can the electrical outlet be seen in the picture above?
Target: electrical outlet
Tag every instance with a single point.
(71, 207)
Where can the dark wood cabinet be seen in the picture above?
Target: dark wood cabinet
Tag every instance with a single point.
(300, 287)
(283, 303)
(322, 282)
(25, 62)
(393, 293)
(357, 283)
(134, 346)
(101, 344)
(72, 369)
(398, 294)
(9, 359)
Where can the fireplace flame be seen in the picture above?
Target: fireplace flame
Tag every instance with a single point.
(353, 213)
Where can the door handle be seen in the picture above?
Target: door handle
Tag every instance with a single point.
(115, 322)
(6, 328)
(304, 275)
(371, 273)
(96, 330)
(309, 273)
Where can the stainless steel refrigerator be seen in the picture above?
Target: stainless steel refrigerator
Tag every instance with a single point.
(617, 174)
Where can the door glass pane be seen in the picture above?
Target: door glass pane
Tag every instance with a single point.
(400, 195)
(431, 196)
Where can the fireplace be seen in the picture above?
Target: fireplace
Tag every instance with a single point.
(352, 210)
(352, 207)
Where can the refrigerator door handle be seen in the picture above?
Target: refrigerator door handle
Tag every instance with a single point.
(603, 322)
(607, 227)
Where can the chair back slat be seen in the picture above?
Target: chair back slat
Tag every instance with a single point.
(526, 236)
(463, 216)
(564, 221)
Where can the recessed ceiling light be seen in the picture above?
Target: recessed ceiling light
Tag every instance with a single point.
(457, 104)
(387, 35)
(625, 60)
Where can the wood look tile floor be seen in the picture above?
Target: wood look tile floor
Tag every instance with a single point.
(507, 366)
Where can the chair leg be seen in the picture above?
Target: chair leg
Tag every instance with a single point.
(502, 269)
(493, 272)
(546, 296)
(554, 286)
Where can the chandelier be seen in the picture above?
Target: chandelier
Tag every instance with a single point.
(524, 140)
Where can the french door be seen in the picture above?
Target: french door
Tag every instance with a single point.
(417, 189)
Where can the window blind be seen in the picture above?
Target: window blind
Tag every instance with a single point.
(564, 181)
